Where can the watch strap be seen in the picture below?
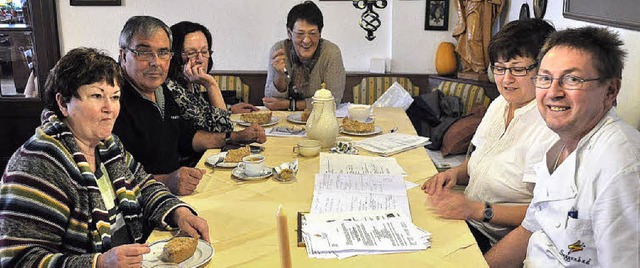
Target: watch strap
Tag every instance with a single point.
(227, 137)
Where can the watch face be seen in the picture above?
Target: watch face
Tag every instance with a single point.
(488, 214)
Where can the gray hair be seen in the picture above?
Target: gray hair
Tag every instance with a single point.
(143, 25)
(603, 44)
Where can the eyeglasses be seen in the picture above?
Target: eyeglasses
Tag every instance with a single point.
(567, 81)
(146, 55)
(515, 71)
(302, 35)
(194, 53)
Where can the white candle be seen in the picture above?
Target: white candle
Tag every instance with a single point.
(283, 238)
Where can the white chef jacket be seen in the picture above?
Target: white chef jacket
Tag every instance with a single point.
(586, 213)
(501, 167)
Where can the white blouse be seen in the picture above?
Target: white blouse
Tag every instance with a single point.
(501, 167)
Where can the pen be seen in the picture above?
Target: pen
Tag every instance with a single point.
(573, 213)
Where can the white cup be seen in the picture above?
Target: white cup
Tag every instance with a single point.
(359, 112)
(307, 148)
(252, 165)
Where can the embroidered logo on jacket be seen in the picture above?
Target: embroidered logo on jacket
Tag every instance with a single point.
(577, 246)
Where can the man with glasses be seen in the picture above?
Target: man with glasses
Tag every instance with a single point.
(586, 202)
(149, 124)
(300, 64)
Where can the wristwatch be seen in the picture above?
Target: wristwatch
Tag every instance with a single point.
(488, 212)
(227, 138)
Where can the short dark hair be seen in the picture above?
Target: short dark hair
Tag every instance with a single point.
(79, 67)
(604, 46)
(144, 25)
(522, 38)
(179, 31)
(307, 11)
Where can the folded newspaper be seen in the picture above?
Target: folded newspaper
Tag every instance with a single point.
(392, 143)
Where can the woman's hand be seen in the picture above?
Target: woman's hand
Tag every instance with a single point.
(278, 60)
(243, 107)
(197, 73)
(440, 181)
(129, 255)
(451, 205)
(191, 224)
(276, 104)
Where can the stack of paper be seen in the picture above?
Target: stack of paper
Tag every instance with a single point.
(356, 164)
(373, 232)
(392, 143)
(360, 206)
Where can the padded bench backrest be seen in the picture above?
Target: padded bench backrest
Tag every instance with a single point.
(233, 83)
(469, 94)
(371, 88)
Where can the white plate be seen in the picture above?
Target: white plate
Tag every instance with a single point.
(211, 160)
(274, 120)
(239, 173)
(376, 130)
(203, 254)
(296, 118)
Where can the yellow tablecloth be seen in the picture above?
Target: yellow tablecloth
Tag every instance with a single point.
(242, 220)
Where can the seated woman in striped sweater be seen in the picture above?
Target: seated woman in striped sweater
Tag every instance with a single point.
(72, 196)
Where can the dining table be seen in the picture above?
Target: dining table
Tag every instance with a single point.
(242, 214)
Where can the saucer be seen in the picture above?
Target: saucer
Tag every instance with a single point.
(203, 254)
(239, 173)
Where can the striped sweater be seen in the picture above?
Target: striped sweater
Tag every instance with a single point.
(51, 210)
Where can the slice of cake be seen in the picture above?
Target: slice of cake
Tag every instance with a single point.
(260, 117)
(357, 126)
(178, 249)
(236, 155)
(305, 114)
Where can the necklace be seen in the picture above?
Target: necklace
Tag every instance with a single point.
(555, 165)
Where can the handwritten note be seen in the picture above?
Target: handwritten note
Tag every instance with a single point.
(356, 164)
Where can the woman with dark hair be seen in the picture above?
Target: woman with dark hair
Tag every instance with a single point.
(72, 196)
(189, 76)
(510, 139)
(301, 63)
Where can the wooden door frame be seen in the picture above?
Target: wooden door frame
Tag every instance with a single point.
(20, 116)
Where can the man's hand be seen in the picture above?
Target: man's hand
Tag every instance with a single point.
(191, 224)
(440, 181)
(276, 104)
(254, 133)
(243, 107)
(129, 255)
(184, 180)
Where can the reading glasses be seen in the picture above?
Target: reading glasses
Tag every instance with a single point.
(146, 55)
(515, 71)
(567, 81)
(194, 53)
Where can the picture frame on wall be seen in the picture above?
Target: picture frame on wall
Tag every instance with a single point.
(95, 2)
(437, 15)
